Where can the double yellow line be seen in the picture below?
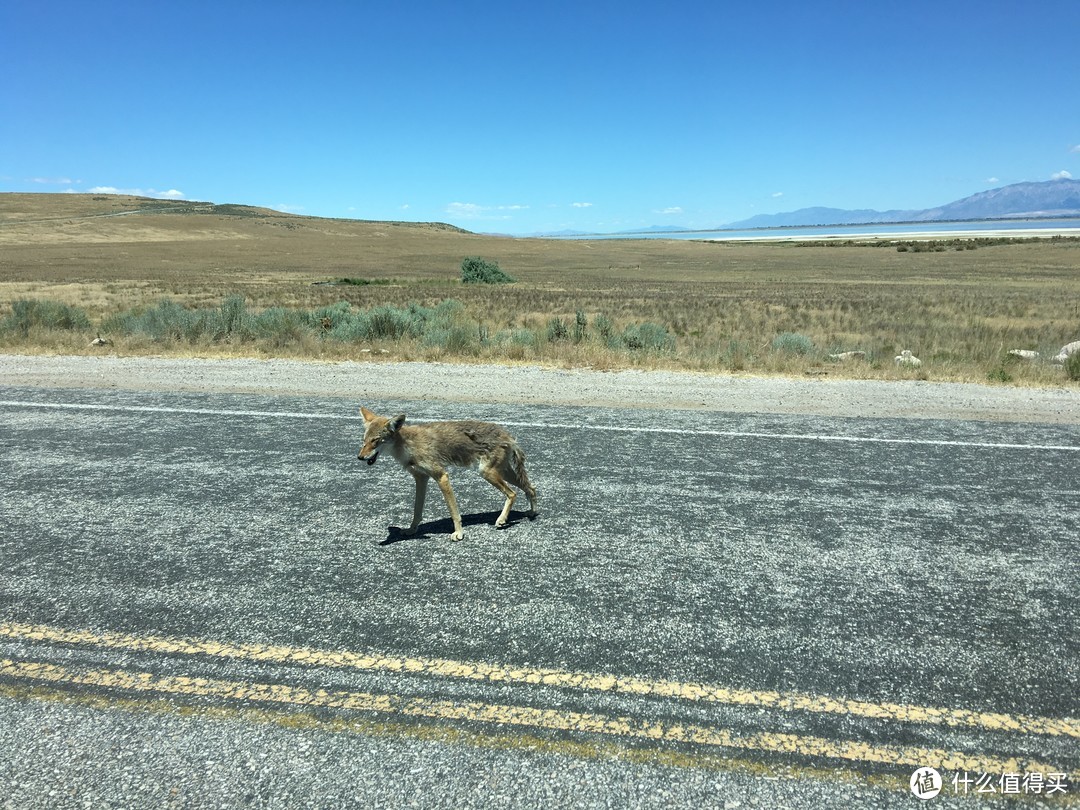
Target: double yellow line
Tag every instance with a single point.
(520, 716)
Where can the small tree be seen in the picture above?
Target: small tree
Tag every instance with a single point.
(475, 270)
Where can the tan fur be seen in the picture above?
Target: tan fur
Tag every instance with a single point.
(427, 450)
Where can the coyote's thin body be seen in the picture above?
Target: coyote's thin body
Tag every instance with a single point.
(426, 451)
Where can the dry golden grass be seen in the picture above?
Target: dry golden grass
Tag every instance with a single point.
(959, 310)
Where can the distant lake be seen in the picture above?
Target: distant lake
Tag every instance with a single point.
(1014, 227)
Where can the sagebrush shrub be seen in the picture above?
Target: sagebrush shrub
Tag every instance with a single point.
(234, 315)
(28, 313)
(581, 325)
(557, 330)
(604, 327)
(793, 343)
(649, 337)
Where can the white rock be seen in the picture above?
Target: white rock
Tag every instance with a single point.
(1024, 354)
(1067, 351)
(848, 356)
(906, 358)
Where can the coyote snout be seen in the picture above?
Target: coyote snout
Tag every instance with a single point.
(426, 450)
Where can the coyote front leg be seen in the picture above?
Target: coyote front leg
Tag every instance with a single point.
(418, 500)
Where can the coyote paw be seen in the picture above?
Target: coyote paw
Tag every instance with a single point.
(410, 530)
(457, 536)
(500, 523)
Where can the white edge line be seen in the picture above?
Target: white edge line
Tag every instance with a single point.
(580, 426)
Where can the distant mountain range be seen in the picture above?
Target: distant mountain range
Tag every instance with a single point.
(1052, 198)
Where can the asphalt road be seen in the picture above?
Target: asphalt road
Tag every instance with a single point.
(203, 603)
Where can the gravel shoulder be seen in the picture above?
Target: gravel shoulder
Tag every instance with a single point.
(526, 385)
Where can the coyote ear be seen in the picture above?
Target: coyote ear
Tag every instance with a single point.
(368, 415)
(396, 423)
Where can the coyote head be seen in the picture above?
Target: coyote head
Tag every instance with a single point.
(377, 430)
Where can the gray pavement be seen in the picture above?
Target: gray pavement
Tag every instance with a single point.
(841, 585)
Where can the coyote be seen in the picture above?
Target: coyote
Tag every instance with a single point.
(426, 450)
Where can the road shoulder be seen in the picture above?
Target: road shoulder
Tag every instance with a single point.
(527, 385)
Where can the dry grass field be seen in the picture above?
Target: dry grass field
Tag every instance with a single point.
(756, 308)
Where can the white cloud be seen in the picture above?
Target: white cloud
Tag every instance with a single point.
(992, 180)
(1062, 175)
(171, 194)
(668, 211)
(778, 194)
(52, 181)
(1075, 148)
(288, 209)
(581, 205)
(474, 211)
(464, 210)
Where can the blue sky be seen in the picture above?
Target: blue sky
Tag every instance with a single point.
(521, 117)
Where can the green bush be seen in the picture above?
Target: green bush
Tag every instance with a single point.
(27, 314)
(475, 270)
(604, 327)
(329, 317)
(793, 343)
(649, 337)
(169, 321)
(581, 324)
(234, 315)
(280, 326)
(444, 312)
(164, 322)
(392, 323)
(736, 355)
(517, 337)
(457, 338)
(1072, 366)
(557, 330)
(524, 337)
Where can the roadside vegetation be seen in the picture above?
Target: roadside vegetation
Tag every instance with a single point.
(217, 283)
(767, 332)
(445, 330)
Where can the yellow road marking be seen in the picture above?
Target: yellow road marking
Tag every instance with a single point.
(550, 719)
(496, 673)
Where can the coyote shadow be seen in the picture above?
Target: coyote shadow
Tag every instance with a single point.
(445, 526)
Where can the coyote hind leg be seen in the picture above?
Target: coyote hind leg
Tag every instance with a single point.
(520, 479)
(513, 470)
(493, 477)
